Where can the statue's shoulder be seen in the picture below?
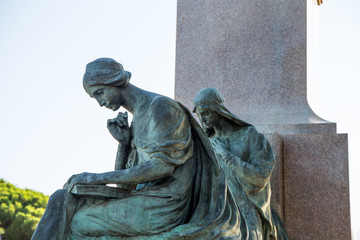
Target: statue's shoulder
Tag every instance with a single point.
(165, 107)
(160, 99)
(251, 130)
(164, 103)
(247, 132)
(244, 130)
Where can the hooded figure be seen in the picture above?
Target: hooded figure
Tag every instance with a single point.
(247, 160)
(180, 191)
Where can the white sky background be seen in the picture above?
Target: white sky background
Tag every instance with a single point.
(51, 129)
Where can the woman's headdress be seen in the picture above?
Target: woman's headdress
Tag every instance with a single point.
(105, 71)
(211, 99)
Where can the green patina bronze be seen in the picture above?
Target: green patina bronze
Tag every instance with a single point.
(247, 160)
(170, 184)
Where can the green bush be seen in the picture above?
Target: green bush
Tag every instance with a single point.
(20, 211)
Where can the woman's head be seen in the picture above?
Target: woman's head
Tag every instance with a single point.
(103, 80)
(208, 104)
(207, 98)
(105, 71)
(204, 103)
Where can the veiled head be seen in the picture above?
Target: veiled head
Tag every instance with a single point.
(208, 104)
(207, 98)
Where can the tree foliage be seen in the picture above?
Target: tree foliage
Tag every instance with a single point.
(20, 211)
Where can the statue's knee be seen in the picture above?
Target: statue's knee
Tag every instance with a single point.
(58, 194)
(56, 197)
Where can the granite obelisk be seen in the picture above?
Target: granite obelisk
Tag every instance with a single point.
(254, 53)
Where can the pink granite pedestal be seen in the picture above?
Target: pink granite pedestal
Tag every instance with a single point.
(316, 189)
(254, 53)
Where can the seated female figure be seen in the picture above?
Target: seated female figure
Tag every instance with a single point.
(179, 191)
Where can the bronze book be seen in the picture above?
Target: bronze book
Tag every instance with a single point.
(100, 190)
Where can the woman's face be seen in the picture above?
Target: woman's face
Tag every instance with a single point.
(207, 117)
(107, 96)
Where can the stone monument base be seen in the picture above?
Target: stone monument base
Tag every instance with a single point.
(254, 54)
(310, 185)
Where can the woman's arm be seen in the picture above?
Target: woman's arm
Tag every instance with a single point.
(120, 130)
(142, 173)
(167, 144)
(254, 174)
(121, 156)
(256, 169)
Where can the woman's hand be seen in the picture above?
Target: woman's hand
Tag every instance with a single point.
(119, 128)
(220, 148)
(82, 178)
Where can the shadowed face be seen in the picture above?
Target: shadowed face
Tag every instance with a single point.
(207, 117)
(107, 96)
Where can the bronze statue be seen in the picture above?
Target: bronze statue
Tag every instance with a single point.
(247, 160)
(172, 184)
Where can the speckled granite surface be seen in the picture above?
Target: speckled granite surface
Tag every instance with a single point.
(316, 187)
(254, 53)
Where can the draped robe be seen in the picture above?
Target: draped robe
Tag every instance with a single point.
(248, 166)
(193, 203)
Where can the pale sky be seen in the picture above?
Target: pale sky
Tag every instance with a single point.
(51, 129)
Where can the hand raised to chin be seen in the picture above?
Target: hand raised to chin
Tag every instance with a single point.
(119, 128)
